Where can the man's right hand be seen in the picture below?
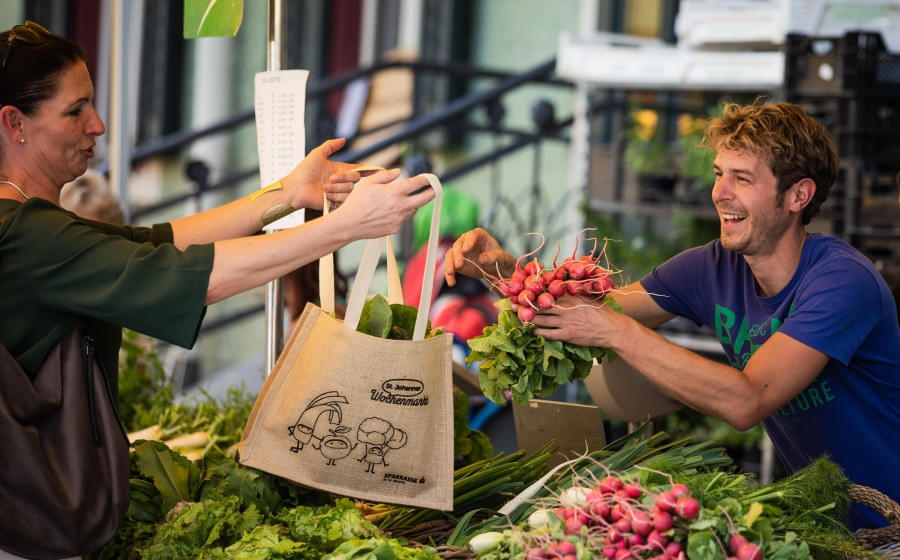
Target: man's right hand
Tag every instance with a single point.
(474, 253)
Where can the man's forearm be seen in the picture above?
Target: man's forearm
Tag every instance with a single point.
(705, 385)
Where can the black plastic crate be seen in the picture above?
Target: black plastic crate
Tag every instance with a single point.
(856, 61)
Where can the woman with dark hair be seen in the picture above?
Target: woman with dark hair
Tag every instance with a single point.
(57, 269)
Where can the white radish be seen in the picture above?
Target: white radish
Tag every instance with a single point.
(153, 432)
(192, 440)
(485, 541)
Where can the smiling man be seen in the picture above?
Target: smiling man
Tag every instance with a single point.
(808, 325)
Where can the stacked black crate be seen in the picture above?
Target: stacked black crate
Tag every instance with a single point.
(852, 85)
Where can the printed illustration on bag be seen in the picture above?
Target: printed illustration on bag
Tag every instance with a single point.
(319, 426)
(379, 436)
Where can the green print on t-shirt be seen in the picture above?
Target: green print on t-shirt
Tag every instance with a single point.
(814, 396)
(744, 340)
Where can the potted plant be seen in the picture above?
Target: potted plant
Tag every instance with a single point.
(649, 155)
(695, 159)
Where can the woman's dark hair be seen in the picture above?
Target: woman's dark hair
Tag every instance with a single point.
(34, 60)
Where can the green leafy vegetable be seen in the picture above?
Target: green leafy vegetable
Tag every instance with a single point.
(379, 549)
(395, 321)
(324, 528)
(174, 476)
(514, 359)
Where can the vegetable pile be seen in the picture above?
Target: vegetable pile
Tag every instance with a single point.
(643, 513)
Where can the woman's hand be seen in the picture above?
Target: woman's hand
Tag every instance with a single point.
(316, 175)
(476, 247)
(377, 207)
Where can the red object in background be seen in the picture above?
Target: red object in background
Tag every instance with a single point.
(412, 274)
(464, 315)
(343, 45)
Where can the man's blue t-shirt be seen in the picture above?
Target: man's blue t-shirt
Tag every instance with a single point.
(836, 303)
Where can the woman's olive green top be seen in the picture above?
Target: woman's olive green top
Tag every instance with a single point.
(55, 266)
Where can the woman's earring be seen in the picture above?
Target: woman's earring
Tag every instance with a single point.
(21, 140)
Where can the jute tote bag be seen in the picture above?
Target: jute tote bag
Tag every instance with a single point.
(358, 415)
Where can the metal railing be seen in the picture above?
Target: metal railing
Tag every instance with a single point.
(456, 113)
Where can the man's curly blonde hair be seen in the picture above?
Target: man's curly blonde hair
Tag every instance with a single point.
(795, 145)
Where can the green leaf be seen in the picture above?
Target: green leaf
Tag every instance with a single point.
(376, 317)
(702, 545)
(404, 318)
(212, 18)
(174, 476)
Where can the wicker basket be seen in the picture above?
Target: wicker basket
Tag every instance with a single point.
(884, 539)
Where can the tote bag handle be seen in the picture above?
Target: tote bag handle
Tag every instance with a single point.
(369, 262)
(326, 274)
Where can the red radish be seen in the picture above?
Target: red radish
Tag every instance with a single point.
(557, 288)
(577, 270)
(613, 537)
(635, 540)
(641, 523)
(665, 501)
(622, 525)
(561, 273)
(548, 277)
(526, 314)
(515, 286)
(736, 542)
(545, 300)
(518, 275)
(662, 521)
(534, 283)
(616, 513)
(526, 297)
(503, 287)
(624, 554)
(656, 540)
(609, 552)
(573, 525)
(602, 285)
(633, 491)
(610, 484)
(688, 508)
(601, 509)
(680, 490)
(575, 288)
(674, 549)
(533, 268)
(565, 547)
(749, 551)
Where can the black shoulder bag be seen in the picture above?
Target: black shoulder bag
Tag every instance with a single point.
(65, 469)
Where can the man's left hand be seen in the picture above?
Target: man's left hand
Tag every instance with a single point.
(578, 320)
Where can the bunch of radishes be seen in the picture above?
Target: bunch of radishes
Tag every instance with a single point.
(535, 287)
(621, 520)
